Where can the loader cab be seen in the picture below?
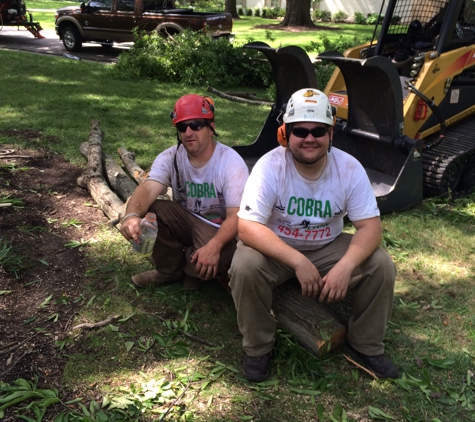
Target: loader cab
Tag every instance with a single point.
(411, 29)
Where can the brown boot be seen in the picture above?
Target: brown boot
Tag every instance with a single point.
(192, 283)
(148, 278)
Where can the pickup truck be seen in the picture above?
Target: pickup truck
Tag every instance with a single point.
(112, 21)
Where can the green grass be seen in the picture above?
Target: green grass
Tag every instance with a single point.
(245, 28)
(431, 335)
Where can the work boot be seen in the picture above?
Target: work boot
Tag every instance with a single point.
(192, 283)
(148, 278)
(256, 368)
(379, 365)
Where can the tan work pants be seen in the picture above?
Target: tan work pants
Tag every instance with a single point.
(253, 277)
(180, 233)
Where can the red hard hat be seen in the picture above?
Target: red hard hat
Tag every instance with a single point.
(192, 106)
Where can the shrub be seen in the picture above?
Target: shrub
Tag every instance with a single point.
(193, 58)
(324, 68)
(374, 18)
(359, 18)
(265, 12)
(278, 12)
(339, 16)
(249, 12)
(322, 15)
(209, 6)
(257, 12)
(240, 11)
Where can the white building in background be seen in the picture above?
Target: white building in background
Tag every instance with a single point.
(333, 6)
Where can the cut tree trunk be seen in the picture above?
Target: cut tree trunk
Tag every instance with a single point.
(316, 326)
(128, 158)
(118, 179)
(93, 180)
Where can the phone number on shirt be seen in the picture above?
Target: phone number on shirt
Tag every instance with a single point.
(306, 234)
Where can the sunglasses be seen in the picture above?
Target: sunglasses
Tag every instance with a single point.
(302, 132)
(195, 125)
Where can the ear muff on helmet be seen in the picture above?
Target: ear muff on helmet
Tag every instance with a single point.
(282, 137)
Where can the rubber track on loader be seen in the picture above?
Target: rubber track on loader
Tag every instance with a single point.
(445, 164)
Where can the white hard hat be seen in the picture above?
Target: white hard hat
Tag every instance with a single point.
(309, 105)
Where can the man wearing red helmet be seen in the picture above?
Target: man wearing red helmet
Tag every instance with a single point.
(197, 229)
(291, 226)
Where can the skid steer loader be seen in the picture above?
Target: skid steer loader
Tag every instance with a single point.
(405, 102)
(14, 13)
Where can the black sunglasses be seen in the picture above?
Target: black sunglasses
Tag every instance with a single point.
(302, 132)
(195, 125)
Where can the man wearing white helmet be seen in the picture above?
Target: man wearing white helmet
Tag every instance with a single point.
(290, 225)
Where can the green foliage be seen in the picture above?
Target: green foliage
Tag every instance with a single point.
(249, 12)
(15, 203)
(322, 15)
(257, 11)
(360, 18)
(339, 16)
(240, 11)
(11, 259)
(374, 18)
(208, 5)
(193, 58)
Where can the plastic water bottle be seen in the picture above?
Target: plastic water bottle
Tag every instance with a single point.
(148, 229)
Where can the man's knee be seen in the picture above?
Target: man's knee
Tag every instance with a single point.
(246, 263)
(382, 266)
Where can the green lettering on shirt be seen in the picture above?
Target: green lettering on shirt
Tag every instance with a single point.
(200, 190)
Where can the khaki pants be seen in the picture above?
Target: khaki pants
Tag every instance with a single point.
(180, 233)
(253, 276)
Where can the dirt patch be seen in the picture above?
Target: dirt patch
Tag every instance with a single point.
(38, 304)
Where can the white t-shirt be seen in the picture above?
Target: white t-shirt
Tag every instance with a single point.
(206, 191)
(306, 214)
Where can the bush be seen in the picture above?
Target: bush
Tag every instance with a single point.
(257, 12)
(193, 58)
(324, 68)
(374, 18)
(339, 16)
(359, 18)
(265, 12)
(322, 15)
(209, 6)
(240, 11)
(249, 12)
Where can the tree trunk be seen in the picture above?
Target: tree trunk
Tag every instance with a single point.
(314, 327)
(297, 13)
(230, 7)
(93, 179)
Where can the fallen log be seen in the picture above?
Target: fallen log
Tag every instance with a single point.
(238, 99)
(93, 180)
(313, 326)
(128, 158)
(117, 178)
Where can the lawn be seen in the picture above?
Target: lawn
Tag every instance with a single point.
(431, 335)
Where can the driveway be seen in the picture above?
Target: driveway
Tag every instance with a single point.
(21, 40)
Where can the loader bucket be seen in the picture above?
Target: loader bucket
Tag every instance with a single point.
(292, 70)
(373, 133)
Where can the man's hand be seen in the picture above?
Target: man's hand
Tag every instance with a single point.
(335, 284)
(206, 260)
(130, 228)
(309, 277)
